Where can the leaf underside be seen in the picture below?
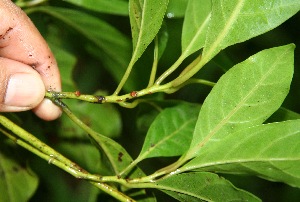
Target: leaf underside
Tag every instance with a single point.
(245, 96)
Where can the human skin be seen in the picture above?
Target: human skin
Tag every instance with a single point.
(27, 66)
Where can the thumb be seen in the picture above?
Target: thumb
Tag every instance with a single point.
(21, 87)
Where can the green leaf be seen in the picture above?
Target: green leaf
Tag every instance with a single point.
(114, 48)
(171, 132)
(245, 96)
(269, 151)
(17, 181)
(196, 21)
(202, 186)
(146, 18)
(235, 21)
(115, 7)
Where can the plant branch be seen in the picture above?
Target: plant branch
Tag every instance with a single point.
(190, 71)
(122, 100)
(170, 70)
(125, 77)
(34, 145)
(72, 168)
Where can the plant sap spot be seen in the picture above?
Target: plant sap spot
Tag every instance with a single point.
(77, 93)
(134, 94)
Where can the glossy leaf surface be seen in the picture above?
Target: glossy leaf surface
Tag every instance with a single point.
(245, 96)
(269, 151)
(171, 132)
(116, 7)
(146, 17)
(196, 21)
(202, 186)
(235, 21)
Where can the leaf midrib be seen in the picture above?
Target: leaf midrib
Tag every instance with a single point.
(238, 106)
(194, 39)
(224, 32)
(148, 151)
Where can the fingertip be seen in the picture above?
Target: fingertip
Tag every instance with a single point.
(47, 111)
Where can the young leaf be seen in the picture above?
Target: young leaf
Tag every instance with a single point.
(202, 186)
(269, 151)
(245, 96)
(196, 20)
(146, 17)
(171, 132)
(235, 21)
(116, 7)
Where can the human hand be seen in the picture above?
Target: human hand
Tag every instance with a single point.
(27, 66)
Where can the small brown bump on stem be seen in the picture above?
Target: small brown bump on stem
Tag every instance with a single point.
(134, 94)
(77, 93)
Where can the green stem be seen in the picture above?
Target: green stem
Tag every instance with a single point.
(36, 143)
(72, 168)
(155, 63)
(125, 77)
(76, 120)
(170, 70)
(113, 192)
(104, 142)
(47, 153)
(111, 98)
(191, 65)
(191, 71)
(195, 81)
(122, 99)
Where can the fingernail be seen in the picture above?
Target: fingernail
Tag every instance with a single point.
(24, 90)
